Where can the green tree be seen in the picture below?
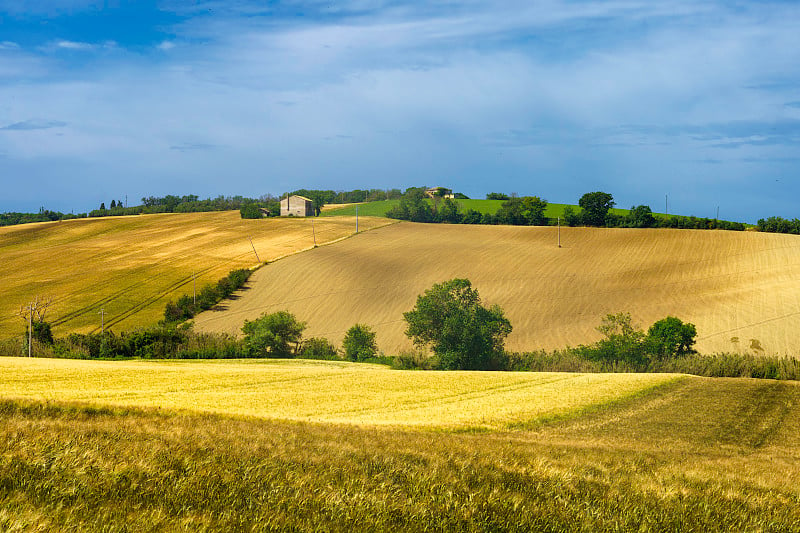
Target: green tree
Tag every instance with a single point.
(359, 343)
(449, 212)
(571, 218)
(670, 337)
(464, 334)
(622, 342)
(250, 211)
(273, 335)
(640, 217)
(595, 207)
(533, 209)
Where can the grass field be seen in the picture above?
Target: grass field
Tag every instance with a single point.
(380, 208)
(131, 266)
(739, 288)
(694, 454)
(319, 391)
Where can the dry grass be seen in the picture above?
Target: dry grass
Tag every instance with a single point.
(741, 289)
(697, 455)
(131, 266)
(320, 391)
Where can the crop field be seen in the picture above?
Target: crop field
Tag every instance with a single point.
(674, 454)
(740, 289)
(129, 267)
(319, 391)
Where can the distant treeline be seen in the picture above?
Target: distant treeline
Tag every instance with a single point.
(779, 225)
(190, 203)
(595, 210)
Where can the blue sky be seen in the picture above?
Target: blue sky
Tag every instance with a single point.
(696, 100)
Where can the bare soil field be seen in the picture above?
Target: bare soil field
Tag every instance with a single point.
(741, 289)
(129, 267)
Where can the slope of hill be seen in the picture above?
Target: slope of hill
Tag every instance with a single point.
(130, 266)
(741, 289)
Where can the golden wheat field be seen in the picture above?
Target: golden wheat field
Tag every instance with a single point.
(319, 391)
(131, 266)
(741, 289)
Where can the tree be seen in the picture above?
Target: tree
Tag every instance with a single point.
(450, 212)
(595, 207)
(623, 341)
(464, 334)
(272, 335)
(359, 343)
(250, 211)
(533, 210)
(102, 206)
(641, 217)
(113, 204)
(496, 196)
(571, 218)
(670, 337)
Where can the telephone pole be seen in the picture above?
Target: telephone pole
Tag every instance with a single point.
(30, 328)
(313, 233)
(102, 321)
(194, 289)
(356, 219)
(254, 249)
(559, 232)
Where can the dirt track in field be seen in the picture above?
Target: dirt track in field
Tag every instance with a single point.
(741, 289)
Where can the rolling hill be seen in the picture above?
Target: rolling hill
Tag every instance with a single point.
(741, 289)
(129, 267)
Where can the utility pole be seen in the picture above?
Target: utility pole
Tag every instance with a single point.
(717, 213)
(102, 321)
(30, 328)
(666, 204)
(254, 249)
(559, 232)
(194, 288)
(313, 233)
(356, 219)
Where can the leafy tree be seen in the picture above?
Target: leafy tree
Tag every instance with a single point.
(496, 196)
(670, 337)
(533, 209)
(595, 207)
(113, 204)
(571, 218)
(622, 342)
(102, 206)
(251, 211)
(449, 212)
(272, 335)
(359, 343)
(464, 334)
(511, 212)
(641, 217)
(42, 332)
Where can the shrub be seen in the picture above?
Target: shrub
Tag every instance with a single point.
(670, 337)
(318, 348)
(359, 343)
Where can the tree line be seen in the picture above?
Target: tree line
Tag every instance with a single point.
(595, 209)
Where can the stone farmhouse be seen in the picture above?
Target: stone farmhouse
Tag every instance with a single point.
(297, 206)
(448, 193)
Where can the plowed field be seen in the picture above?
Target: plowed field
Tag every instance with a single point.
(741, 289)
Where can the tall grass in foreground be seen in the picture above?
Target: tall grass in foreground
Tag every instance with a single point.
(68, 467)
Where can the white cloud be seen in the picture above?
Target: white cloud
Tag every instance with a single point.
(166, 45)
(73, 45)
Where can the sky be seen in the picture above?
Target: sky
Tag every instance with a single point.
(688, 106)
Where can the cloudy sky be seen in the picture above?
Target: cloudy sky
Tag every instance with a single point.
(696, 100)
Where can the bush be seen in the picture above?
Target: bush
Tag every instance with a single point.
(670, 337)
(359, 343)
(318, 348)
(273, 335)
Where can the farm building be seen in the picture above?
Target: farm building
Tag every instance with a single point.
(297, 206)
(448, 193)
